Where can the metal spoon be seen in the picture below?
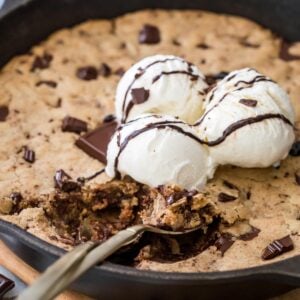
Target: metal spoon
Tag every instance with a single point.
(76, 262)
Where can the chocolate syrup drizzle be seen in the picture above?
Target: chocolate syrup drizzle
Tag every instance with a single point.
(193, 76)
(141, 71)
(172, 125)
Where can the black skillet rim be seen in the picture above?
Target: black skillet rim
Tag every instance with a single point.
(283, 271)
(280, 270)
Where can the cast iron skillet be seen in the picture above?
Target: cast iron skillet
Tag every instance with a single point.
(26, 22)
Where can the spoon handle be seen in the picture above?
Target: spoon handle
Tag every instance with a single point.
(72, 265)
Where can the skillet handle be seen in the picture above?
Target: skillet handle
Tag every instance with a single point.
(72, 265)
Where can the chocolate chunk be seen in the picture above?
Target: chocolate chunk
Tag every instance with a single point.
(295, 150)
(226, 198)
(149, 34)
(140, 95)
(71, 124)
(105, 70)
(224, 242)
(284, 52)
(120, 72)
(87, 73)
(41, 62)
(63, 181)
(278, 247)
(5, 285)
(29, 155)
(16, 197)
(3, 113)
(109, 118)
(202, 46)
(297, 177)
(230, 185)
(248, 44)
(253, 233)
(95, 142)
(50, 83)
(248, 102)
(213, 78)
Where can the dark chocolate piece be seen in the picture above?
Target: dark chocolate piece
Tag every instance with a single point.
(140, 95)
(284, 52)
(29, 155)
(120, 72)
(297, 177)
(41, 62)
(253, 233)
(3, 113)
(63, 181)
(213, 78)
(49, 83)
(295, 150)
(16, 197)
(248, 102)
(149, 34)
(71, 124)
(95, 142)
(105, 70)
(245, 43)
(278, 247)
(224, 242)
(5, 285)
(87, 73)
(202, 46)
(230, 185)
(222, 197)
(109, 118)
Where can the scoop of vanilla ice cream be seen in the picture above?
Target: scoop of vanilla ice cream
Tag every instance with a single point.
(161, 84)
(248, 120)
(156, 150)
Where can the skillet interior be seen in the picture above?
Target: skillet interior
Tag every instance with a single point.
(16, 38)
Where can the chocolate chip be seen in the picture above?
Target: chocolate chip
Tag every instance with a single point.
(63, 181)
(109, 118)
(248, 102)
(29, 155)
(230, 185)
(41, 62)
(212, 78)
(58, 103)
(297, 177)
(49, 83)
(87, 73)
(248, 44)
(120, 72)
(71, 124)
(149, 34)
(224, 242)
(16, 197)
(176, 43)
(202, 46)
(4, 111)
(295, 150)
(253, 233)
(284, 52)
(140, 95)
(95, 142)
(5, 285)
(105, 70)
(277, 248)
(222, 197)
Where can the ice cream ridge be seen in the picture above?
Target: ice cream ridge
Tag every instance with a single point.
(175, 129)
